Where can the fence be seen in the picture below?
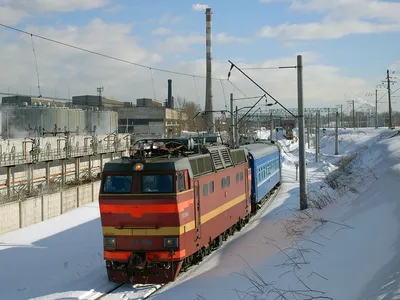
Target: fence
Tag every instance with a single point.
(20, 214)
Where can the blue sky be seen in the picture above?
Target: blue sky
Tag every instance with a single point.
(347, 44)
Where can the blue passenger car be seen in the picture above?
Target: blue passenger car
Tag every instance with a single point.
(265, 163)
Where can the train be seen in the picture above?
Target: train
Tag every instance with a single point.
(173, 201)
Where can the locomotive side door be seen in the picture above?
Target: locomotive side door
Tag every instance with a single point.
(197, 210)
(247, 186)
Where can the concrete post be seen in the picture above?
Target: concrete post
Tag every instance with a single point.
(63, 171)
(29, 176)
(308, 130)
(77, 168)
(237, 128)
(101, 163)
(9, 182)
(302, 153)
(337, 134)
(232, 135)
(90, 167)
(316, 137)
(47, 173)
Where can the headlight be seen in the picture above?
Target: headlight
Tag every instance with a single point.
(110, 241)
(171, 242)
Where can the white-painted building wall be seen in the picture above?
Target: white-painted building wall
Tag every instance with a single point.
(17, 150)
(20, 214)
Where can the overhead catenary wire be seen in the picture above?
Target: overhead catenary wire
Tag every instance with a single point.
(102, 54)
(152, 82)
(223, 94)
(37, 68)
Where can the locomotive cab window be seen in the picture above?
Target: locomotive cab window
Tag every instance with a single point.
(120, 184)
(181, 182)
(160, 183)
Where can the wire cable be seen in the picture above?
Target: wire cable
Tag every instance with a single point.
(102, 54)
(37, 69)
(195, 88)
(152, 82)
(223, 94)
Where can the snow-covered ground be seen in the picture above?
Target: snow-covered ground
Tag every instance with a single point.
(349, 250)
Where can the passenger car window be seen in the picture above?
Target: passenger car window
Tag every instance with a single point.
(117, 184)
(157, 184)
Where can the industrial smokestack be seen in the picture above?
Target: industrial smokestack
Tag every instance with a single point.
(169, 93)
(172, 103)
(209, 104)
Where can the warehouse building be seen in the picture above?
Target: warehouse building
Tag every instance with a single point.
(148, 120)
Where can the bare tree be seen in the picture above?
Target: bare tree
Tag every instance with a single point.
(188, 111)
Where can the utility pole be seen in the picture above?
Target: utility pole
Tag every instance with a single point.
(302, 154)
(337, 135)
(237, 128)
(341, 115)
(271, 127)
(389, 99)
(354, 118)
(232, 129)
(329, 124)
(376, 108)
(308, 130)
(316, 137)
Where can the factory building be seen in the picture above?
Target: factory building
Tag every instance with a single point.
(29, 120)
(147, 120)
(102, 103)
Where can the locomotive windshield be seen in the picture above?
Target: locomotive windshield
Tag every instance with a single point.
(160, 183)
(117, 184)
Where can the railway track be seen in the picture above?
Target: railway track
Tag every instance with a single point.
(122, 292)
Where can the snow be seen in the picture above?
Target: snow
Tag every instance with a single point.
(55, 259)
(348, 250)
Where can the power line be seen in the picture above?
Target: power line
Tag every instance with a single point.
(103, 55)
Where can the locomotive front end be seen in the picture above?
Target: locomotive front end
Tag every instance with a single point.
(142, 206)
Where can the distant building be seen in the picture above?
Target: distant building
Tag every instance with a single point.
(146, 119)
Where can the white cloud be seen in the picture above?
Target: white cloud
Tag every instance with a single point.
(325, 29)
(341, 18)
(199, 7)
(170, 19)
(351, 9)
(162, 31)
(61, 68)
(54, 5)
(270, 1)
(182, 43)
(11, 16)
(13, 11)
(223, 37)
(112, 9)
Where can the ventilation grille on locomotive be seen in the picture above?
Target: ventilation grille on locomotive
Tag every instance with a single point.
(226, 157)
(238, 156)
(216, 157)
(201, 165)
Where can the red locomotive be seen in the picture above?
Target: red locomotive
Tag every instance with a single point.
(168, 205)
